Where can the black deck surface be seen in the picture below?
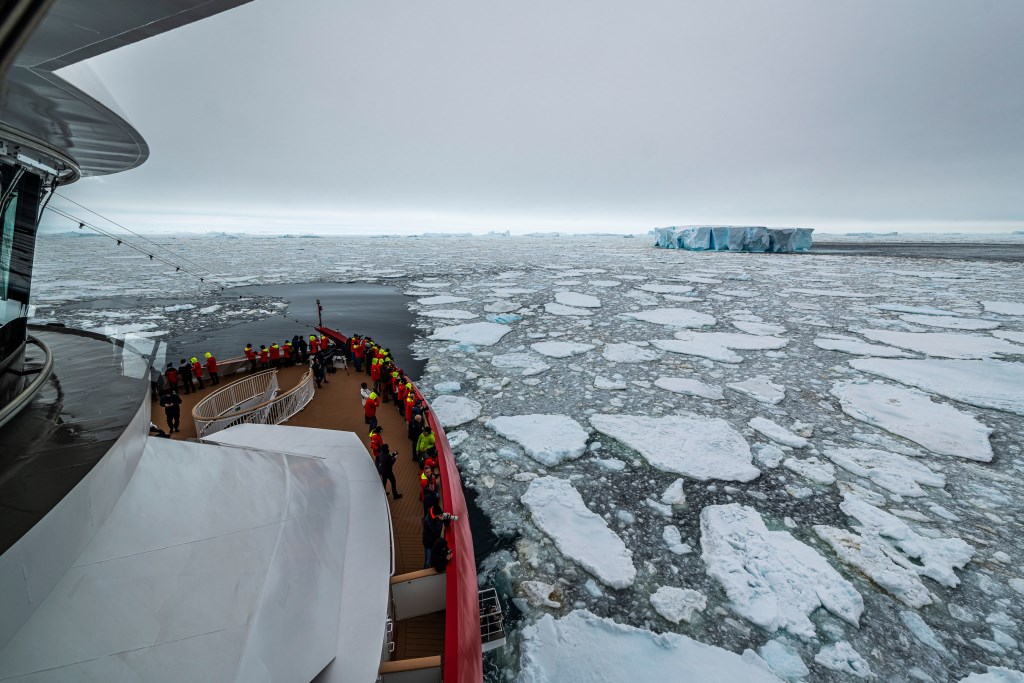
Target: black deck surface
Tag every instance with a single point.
(56, 440)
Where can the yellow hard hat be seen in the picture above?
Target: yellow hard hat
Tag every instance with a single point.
(208, 354)
(194, 359)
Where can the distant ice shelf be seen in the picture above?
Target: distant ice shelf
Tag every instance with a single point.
(733, 238)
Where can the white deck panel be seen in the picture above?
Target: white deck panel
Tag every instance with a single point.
(223, 563)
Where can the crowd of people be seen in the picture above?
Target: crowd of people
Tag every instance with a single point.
(386, 383)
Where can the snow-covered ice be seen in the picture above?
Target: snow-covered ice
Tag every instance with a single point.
(690, 387)
(482, 334)
(913, 415)
(442, 300)
(950, 322)
(548, 439)
(526, 363)
(777, 432)
(562, 309)
(784, 661)
(694, 446)
(983, 383)
(453, 411)
(674, 317)
(582, 536)
(561, 349)
(812, 469)
(584, 648)
(628, 353)
(677, 604)
(859, 347)
(449, 313)
(843, 658)
(577, 299)
(761, 389)
(891, 471)
(946, 344)
(1004, 307)
(771, 578)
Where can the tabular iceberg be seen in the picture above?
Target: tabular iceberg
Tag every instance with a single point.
(733, 238)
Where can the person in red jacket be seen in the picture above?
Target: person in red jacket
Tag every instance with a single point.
(376, 440)
(370, 409)
(264, 357)
(197, 371)
(211, 369)
(275, 355)
(286, 352)
(172, 377)
(401, 392)
(357, 352)
(314, 344)
(410, 402)
(250, 355)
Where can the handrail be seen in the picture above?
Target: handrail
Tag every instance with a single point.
(273, 411)
(233, 395)
(29, 392)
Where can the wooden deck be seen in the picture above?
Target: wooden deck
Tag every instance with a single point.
(337, 406)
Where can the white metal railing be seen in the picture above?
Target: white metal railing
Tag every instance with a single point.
(492, 622)
(255, 401)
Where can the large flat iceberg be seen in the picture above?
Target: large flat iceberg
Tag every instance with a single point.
(733, 238)
(584, 648)
(548, 439)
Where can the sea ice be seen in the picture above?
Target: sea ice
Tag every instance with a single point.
(1009, 335)
(760, 389)
(450, 313)
(937, 557)
(843, 658)
(771, 578)
(674, 494)
(562, 309)
(983, 383)
(703, 349)
(443, 299)
(674, 540)
(777, 433)
(577, 299)
(585, 648)
(859, 348)
(1004, 307)
(526, 363)
(945, 344)
(996, 674)
(666, 289)
(609, 384)
(950, 322)
(921, 630)
(879, 562)
(784, 661)
(691, 387)
(913, 415)
(758, 329)
(628, 353)
(891, 471)
(481, 334)
(447, 387)
(841, 293)
(812, 469)
(922, 310)
(718, 345)
(698, 447)
(455, 410)
(548, 439)
(580, 535)
(674, 317)
(677, 604)
(501, 307)
(560, 349)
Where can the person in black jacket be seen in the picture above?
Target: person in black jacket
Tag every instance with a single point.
(440, 555)
(385, 465)
(171, 403)
(185, 375)
(434, 523)
(303, 347)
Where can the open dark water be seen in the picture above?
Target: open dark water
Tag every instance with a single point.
(350, 308)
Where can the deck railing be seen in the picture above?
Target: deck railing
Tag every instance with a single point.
(253, 400)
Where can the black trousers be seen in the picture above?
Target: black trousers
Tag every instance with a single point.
(385, 478)
(186, 382)
(199, 382)
(173, 420)
(214, 378)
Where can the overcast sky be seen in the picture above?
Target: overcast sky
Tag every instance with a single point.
(384, 116)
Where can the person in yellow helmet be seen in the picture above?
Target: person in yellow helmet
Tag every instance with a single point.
(211, 368)
(197, 371)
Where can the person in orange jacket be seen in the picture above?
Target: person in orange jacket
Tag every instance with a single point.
(197, 371)
(314, 344)
(370, 409)
(286, 352)
(376, 440)
(211, 368)
(264, 357)
(275, 355)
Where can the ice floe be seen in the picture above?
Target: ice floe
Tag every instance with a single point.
(777, 433)
(812, 469)
(770, 578)
(913, 415)
(1004, 307)
(945, 344)
(761, 389)
(579, 534)
(481, 334)
(758, 329)
(677, 604)
(526, 363)
(452, 313)
(453, 411)
(697, 447)
(560, 349)
(983, 383)
(891, 471)
(548, 439)
(784, 661)
(628, 353)
(577, 299)
(674, 317)
(584, 648)
(562, 309)
(843, 658)
(674, 540)
(666, 289)
(950, 322)
(921, 310)
(859, 347)
(690, 387)
(442, 299)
